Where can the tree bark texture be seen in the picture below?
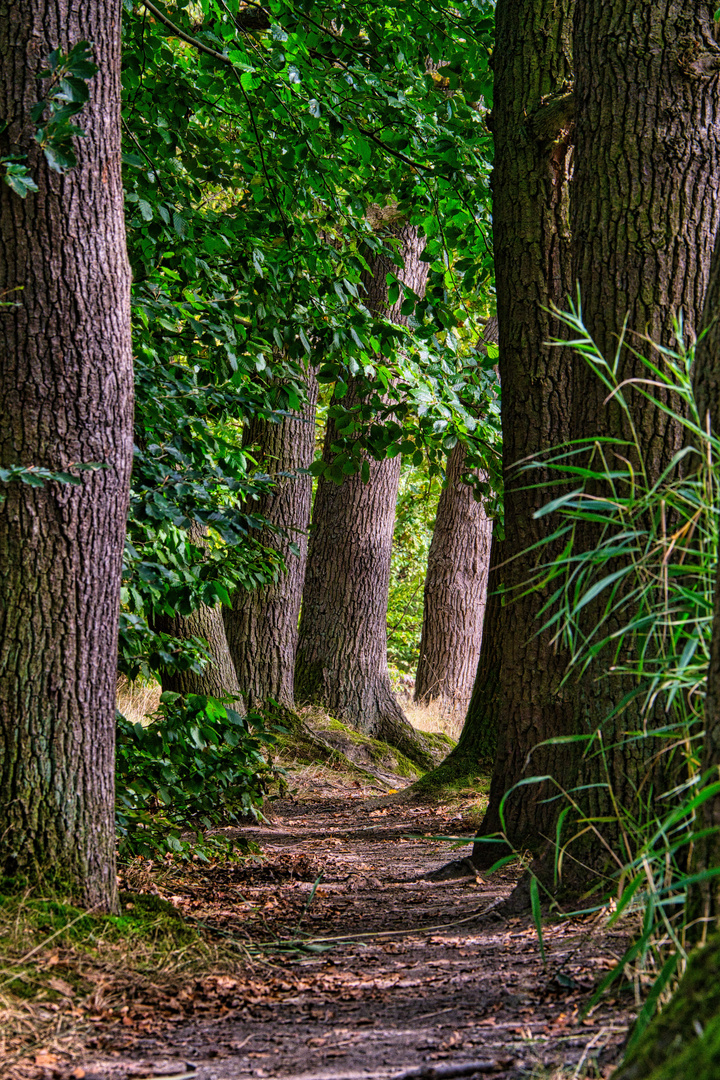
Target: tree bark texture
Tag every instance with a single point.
(645, 213)
(705, 903)
(262, 626)
(645, 206)
(456, 584)
(455, 592)
(218, 678)
(66, 391)
(342, 647)
(517, 691)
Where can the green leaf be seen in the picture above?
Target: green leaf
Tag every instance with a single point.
(59, 158)
(18, 179)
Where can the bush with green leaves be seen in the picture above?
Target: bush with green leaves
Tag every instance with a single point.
(197, 766)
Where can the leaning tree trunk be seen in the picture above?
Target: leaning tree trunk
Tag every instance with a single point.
(342, 647)
(455, 591)
(519, 674)
(66, 388)
(218, 678)
(262, 626)
(645, 210)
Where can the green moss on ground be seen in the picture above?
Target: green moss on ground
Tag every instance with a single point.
(683, 1042)
(311, 737)
(460, 771)
(362, 750)
(50, 948)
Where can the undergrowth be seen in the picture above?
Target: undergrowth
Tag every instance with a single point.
(654, 568)
(62, 968)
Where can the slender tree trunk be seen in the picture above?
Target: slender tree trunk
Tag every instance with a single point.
(262, 627)
(455, 591)
(66, 389)
(455, 585)
(218, 678)
(342, 647)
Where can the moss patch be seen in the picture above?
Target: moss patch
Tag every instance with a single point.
(684, 1040)
(361, 749)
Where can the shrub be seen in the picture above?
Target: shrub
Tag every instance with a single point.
(198, 765)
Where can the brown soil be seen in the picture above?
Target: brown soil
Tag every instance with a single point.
(427, 979)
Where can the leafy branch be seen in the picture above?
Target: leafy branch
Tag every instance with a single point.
(66, 94)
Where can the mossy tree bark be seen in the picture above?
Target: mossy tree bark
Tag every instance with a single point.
(455, 593)
(342, 647)
(218, 678)
(705, 900)
(684, 1040)
(67, 392)
(262, 626)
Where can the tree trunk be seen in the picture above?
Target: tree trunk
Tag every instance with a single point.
(262, 627)
(475, 752)
(342, 647)
(218, 678)
(645, 148)
(455, 591)
(645, 209)
(705, 902)
(66, 387)
(516, 692)
(455, 584)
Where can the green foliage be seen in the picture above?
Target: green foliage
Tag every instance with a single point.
(653, 567)
(66, 94)
(197, 766)
(16, 175)
(414, 523)
(35, 476)
(255, 145)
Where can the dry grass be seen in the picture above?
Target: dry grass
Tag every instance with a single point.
(63, 969)
(137, 700)
(438, 716)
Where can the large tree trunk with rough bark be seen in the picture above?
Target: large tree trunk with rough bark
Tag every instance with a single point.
(645, 157)
(218, 678)
(342, 647)
(262, 626)
(455, 591)
(645, 212)
(516, 692)
(66, 388)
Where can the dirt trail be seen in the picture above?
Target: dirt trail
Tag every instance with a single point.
(433, 988)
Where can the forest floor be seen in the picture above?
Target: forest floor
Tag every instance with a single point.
(339, 959)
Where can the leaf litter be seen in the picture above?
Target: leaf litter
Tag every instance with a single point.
(328, 955)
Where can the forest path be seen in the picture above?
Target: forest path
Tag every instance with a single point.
(432, 985)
